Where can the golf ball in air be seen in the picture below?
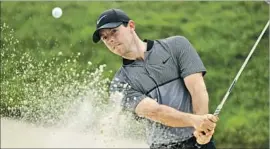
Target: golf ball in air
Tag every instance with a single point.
(57, 12)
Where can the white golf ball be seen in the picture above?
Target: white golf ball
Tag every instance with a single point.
(57, 12)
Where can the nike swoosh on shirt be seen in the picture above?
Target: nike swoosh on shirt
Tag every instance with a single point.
(164, 61)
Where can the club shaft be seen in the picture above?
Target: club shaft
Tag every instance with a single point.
(240, 71)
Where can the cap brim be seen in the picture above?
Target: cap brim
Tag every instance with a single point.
(96, 36)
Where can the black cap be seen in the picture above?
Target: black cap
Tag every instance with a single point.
(111, 18)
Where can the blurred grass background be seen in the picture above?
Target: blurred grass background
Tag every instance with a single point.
(222, 32)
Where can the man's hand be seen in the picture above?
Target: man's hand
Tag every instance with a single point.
(205, 123)
(201, 138)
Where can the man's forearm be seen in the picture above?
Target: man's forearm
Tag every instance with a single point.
(174, 118)
(166, 115)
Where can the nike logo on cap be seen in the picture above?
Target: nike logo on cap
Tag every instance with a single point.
(101, 19)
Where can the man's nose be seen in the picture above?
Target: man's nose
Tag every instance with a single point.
(111, 40)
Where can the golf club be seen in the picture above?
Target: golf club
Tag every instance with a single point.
(216, 113)
(239, 72)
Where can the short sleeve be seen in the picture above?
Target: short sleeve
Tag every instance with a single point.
(188, 59)
(129, 97)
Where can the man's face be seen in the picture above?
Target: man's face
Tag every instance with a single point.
(118, 40)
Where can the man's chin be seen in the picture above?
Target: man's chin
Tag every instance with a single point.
(129, 57)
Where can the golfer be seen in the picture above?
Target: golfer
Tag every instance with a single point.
(162, 82)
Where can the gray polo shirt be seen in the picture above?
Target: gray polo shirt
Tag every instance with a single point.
(160, 76)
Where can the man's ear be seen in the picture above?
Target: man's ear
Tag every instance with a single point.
(131, 25)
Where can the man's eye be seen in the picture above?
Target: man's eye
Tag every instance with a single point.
(114, 31)
(104, 37)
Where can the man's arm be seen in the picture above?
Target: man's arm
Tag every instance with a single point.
(196, 86)
(166, 115)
